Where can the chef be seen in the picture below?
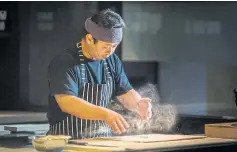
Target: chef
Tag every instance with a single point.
(83, 81)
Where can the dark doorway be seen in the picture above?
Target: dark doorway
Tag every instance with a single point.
(9, 57)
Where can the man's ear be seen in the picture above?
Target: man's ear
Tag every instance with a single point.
(89, 39)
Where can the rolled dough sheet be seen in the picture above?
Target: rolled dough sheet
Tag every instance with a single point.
(152, 138)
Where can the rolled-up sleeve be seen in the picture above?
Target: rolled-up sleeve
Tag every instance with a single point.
(62, 77)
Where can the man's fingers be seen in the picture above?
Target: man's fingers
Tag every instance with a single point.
(146, 114)
(142, 115)
(149, 115)
(146, 99)
(115, 127)
(120, 125)
(124, 122)
(150, 105)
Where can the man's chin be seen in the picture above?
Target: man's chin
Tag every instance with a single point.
(96, 59)
(106, 56)
(102, 57)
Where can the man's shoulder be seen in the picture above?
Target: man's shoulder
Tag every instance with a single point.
(64, 58)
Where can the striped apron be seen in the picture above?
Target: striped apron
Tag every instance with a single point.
(97, 94)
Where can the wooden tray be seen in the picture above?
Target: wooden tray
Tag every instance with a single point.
(221, 130)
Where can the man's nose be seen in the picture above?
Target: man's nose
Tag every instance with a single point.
(109, 50)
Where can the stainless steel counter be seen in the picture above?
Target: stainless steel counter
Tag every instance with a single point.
(11, 117)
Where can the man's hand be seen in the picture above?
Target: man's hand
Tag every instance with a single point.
(116, 122)
(144, 108)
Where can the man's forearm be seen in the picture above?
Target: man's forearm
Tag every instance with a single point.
(81, 108)
(130, 100)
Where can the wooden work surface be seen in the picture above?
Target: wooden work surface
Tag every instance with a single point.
(176, 142)
(4, 149)
(187, 142)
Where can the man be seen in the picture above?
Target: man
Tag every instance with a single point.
(83, 81)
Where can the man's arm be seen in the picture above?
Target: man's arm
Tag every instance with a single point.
(123, 90)
(80, 108)
(130, 100)
(85, 110)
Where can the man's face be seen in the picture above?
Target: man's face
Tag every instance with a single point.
(99, 50)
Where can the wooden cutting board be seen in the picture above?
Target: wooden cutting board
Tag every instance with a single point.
(78, 148)
(222, 130)
(122, 143)
(27, 127)
(152, 138)
(100, 145)
(180, 145)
